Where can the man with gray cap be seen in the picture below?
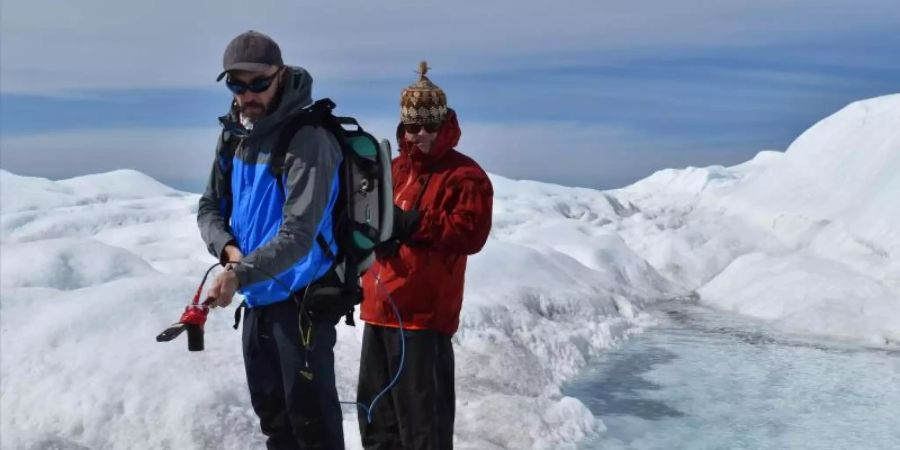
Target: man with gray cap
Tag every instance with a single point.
(263, 226)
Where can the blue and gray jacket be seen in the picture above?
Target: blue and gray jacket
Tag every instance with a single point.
(274, 227)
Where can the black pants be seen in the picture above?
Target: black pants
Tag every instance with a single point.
(417, 413)
(292, 390)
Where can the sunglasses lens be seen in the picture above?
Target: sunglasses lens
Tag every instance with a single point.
(414, 128)
(260, 84)
(236, 87)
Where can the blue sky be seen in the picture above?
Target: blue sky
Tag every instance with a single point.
(586, 93)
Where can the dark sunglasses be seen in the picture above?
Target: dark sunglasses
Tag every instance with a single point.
(256, 86)
(414, 128)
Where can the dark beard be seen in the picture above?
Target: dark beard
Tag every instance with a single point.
(256, 105)
(276, 99)
(272, 106)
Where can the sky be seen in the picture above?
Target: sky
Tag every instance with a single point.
(587, 93)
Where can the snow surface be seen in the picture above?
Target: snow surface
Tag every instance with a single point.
(92, 268)
(809, 239)
(707, 379)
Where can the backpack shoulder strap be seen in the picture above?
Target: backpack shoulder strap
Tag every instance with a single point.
(279, 151)
(229, 139)
(319, 114)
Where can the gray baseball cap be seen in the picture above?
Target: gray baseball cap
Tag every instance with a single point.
(251, 51)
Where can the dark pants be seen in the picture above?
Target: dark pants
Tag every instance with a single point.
(417, 413)
(292, 390)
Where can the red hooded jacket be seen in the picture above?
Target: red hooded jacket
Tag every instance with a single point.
(426, 276)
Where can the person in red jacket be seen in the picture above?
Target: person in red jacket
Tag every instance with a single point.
(443, 202)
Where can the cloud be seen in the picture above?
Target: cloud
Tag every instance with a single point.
(163, 153)
(587, 155)
(583, 92)
(565, 153)
(93, 44)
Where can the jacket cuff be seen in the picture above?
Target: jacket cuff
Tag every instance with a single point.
(218, 247)
(243, 274)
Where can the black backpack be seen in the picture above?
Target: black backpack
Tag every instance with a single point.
(363, 213)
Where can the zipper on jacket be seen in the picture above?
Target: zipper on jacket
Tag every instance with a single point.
(409, 182)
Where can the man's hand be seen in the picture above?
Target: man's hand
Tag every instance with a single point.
(223, 289)
(231, 253)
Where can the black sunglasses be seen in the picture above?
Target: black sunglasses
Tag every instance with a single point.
(256, 86)
(414, 128)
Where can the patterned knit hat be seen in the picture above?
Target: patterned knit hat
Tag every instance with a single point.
(423, 102)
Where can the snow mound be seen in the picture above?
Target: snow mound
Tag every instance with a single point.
(118, 185)
(808, 294)
(20, 193)
(690, 180)
(827, 208)
(844, 169)
(67, 264)
(95, 266)
(80, 369)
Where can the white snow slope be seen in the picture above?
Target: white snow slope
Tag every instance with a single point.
(92, 268)
(809, 238)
